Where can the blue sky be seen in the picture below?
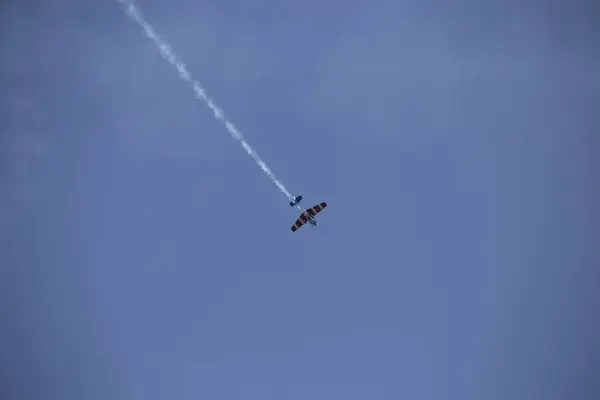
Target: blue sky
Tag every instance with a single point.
(146, 256)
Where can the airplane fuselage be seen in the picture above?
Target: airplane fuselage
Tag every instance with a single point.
(311, 220)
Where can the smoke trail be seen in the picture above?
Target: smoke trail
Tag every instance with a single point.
(165, 50)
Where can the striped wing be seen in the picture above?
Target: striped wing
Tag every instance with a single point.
(316, 209)
(304, 216)
(299, 222)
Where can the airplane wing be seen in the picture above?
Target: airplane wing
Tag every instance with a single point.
(316, 209)
(299, 222)
(304, 216)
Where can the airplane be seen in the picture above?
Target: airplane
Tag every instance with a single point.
(307, 215)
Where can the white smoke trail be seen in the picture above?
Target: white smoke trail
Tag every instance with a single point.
(165, 50)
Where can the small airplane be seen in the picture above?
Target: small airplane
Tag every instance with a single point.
(307, 215)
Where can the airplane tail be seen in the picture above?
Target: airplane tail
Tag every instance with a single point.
(296, 200)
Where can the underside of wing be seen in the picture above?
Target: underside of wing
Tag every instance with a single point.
(316, 209)
(299, 222)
